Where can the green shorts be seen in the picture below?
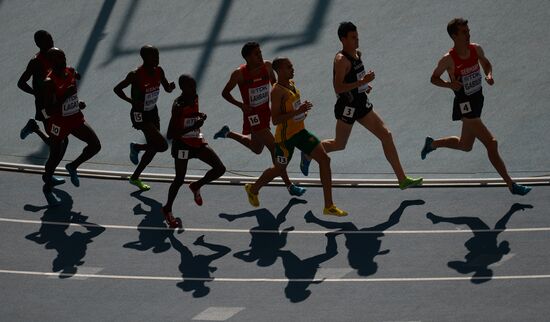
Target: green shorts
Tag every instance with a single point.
(303, 140)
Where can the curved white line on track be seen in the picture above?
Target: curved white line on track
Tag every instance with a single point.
(311, 232)
(277, 280)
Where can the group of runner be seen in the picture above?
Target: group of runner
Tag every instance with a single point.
(268, 94)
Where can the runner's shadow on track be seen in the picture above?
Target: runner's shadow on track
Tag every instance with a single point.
(266, 239)
(484, 249)
(154, 239)
(196, 269)
(301, 273)
(364, 244)
(71, 249)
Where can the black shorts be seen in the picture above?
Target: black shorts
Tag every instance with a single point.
(468, 107)
(350, 114)
(139, 118)
(183, 151)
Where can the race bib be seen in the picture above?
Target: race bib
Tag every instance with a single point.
(465, 107)
(363, 88)
(281, 159)
(55, 130)
(254, 120)
(70, 106)
(349, 111)
(151, 97)
(183, 154)
(190, 122)
(138, 117)
(296, 105)
(471, 80)
(258, 95)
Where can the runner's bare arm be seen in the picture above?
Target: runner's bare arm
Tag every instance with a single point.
(27, 74)
(168, 87)
(341, 68)
(231, 84)
(272, 77)
(119, 88)
(485, 64)
(445, 64)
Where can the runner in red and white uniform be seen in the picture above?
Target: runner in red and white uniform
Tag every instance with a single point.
(462, 64)
(145, 84)
(254, 79)
(63, 117)
(188, 143)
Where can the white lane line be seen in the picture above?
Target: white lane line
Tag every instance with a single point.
(228, 230)
(281, 280)
(216, 313)
(84, 270)
(323, 273)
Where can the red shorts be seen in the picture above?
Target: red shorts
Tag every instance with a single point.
(59, 127)
(257, 121)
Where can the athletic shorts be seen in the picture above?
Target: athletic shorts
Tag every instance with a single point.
(468, 107)
(59, 127)
(257, 121)
(138, 118)
(349, 113)
(303, 140)
(183, 151)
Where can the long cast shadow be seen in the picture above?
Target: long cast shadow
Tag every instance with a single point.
(364, 247)
(71, 249)
(301, 272)
(150, 239)
(196, 269)
(484, 249)
(264, 246)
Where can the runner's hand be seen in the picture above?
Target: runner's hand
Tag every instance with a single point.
(369, 89)
(455, 85)
(489, 79)
(81, 105)
(306, 106)
(247, 109)
(369, 77)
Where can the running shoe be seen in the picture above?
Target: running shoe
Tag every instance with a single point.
(29, 128)
(138, 183)
(427, 147)
(56, 181)
(410, 182)
(74, 175)
(295, 190)
(334, 211)
(252, 198)
(172, 221)
(222, 133)
(196, 194)
(304, 164)
(134, 154)
(518, 189)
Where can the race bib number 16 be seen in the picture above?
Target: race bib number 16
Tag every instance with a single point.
(254, 119)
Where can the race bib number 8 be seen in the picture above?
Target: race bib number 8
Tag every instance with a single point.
(70, 106)
(138, 117)
(258, 95)
(465, 107)
(254, 120)
(183, 154)
(349, 111)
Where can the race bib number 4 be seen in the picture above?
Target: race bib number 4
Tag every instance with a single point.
(258, 95)
(70, 106)
(151, 98)
(465, 107)
(296, 105)
(254, 120)
(183, 154)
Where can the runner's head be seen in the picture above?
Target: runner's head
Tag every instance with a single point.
(43, 40)
(347, 32)
(188, 86)
(150, 56)
(283, 67)
(57, 58)
(458, 30)
(252, 54)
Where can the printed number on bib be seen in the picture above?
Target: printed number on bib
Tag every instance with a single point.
(281, 159)
(465, 107)
(296, 105)
(254, 120)
(151, 99)
(55, 130)
(349, 111)
(183, 154)
(138, 117)
(70, 106)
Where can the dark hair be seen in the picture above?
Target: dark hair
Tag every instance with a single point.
(344, 28)
(248, 48)
(40, 35)
(452, 26)
(186, 80)
(278, 62)
(147, 49)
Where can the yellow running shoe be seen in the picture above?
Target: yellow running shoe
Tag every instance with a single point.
(252, 198)
(334, 211)
(138, 183)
